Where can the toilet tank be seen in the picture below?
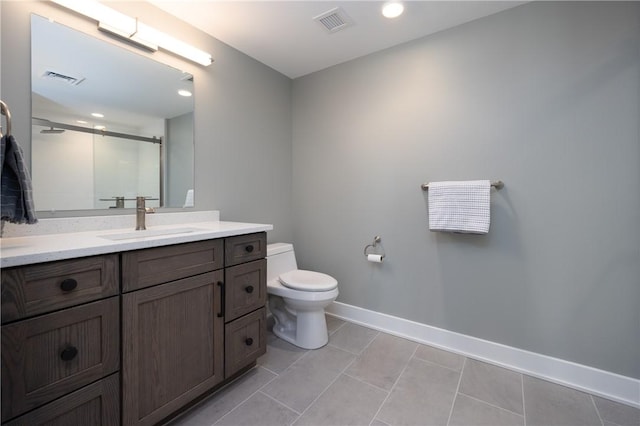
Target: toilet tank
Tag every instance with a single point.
(280, 259)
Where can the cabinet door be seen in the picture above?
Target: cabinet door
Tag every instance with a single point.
(152, 266)
(173, 346)
(48, 356)
(46, 287)
(97, 404)
(245, 288)
(245, 341)
(244, 248)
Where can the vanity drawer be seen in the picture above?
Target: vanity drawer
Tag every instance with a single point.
(245, 288)
(144, 268)
(37, 289)
(51, 355)
(245, 340)
(95, 404)
(245, 248)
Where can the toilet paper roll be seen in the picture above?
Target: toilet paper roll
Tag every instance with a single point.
(375, 258)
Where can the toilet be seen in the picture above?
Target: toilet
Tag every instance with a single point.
(297, 298)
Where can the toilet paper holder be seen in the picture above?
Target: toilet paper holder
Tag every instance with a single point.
(370, 248)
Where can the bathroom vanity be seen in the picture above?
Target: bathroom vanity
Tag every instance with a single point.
(134, 331)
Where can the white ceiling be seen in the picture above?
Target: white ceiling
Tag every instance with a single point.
(284, 36)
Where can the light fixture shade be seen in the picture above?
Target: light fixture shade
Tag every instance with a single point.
(132, 29)
(118, 23)
(127, 36)
(148, 34)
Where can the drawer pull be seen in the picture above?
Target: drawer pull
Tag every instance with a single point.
(68, 353)
(222, 301)
(249, 289)
(249, 341)
(68, 285)
(249, 248)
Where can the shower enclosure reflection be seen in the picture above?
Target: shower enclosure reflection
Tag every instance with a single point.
(81, 170)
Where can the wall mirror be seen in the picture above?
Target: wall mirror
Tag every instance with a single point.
(107, 124)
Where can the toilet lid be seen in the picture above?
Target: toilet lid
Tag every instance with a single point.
(308, 280)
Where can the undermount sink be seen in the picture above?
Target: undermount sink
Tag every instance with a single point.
(149, 233)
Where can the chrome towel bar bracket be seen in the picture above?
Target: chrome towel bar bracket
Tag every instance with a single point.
(497, 184)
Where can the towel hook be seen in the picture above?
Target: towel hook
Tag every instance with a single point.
(4, 109)
(373, 245)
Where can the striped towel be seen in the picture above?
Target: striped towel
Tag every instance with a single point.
(16, 197)
(460, 206)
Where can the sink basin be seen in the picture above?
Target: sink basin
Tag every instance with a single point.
(149, 233)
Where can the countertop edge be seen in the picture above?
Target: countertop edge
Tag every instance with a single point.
(21, 251)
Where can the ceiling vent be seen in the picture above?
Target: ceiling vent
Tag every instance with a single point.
(334, 20)
(54, 75)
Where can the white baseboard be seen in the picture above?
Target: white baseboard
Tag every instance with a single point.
(625, 390)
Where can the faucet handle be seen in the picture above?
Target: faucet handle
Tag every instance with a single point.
(140, 213)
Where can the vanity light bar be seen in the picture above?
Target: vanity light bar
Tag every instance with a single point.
(130, 28)
(127, 36)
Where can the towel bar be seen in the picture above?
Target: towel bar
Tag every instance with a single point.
(497, 184)
(4, 110)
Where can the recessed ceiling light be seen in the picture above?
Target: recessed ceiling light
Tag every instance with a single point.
(184, 93)
(99, 127)
(81, 121)
(97, 114)
(392, 9)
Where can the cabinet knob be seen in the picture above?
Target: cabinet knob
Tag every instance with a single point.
(249, 248)
(68, 353)
(249, 341)
(69, 284)
(249, 289)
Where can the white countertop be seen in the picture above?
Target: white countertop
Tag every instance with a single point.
(25, 250)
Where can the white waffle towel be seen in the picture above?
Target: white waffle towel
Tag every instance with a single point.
(460, 206)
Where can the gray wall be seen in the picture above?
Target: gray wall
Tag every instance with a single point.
(544, 96)
(242, 116)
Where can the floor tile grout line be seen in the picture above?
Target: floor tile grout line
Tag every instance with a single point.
(394, 385)
(596, 407)
(337, 328)
(358, 379)
(524, 404)
(437, 364)
(249, 397)
(297, 360)
(489, 404)
(280, 402)
(219, 392)
(329, 385)
(455, 396)
(266, 368)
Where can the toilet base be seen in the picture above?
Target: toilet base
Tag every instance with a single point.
(304, 329)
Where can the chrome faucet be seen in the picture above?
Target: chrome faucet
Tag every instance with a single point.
(140, 214)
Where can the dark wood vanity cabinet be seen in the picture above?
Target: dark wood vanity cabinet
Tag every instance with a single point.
(61, 342)
(184, 310)
(130, 338)
(245, 299)
(172, 336)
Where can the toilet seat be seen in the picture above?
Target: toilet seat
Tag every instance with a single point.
(308, 280)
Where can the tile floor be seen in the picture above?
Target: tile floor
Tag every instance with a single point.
(366, 377)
